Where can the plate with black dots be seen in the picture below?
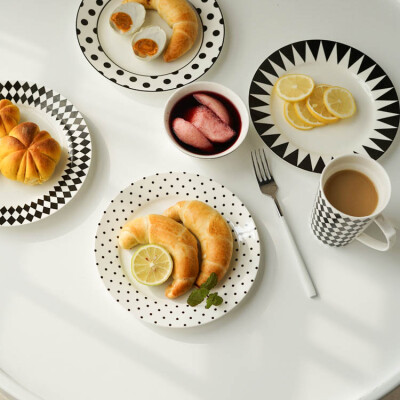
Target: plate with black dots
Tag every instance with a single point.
(153, 195)
(111, 53)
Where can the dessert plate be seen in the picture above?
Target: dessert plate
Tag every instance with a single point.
(153, 195)
(369, 132)
(111, 54)
(21, 204)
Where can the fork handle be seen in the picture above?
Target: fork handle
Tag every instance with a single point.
(301, 266)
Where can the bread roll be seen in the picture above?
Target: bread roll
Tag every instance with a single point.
(9, 116)
(175, 238)
(181, 17)
(28, 154)
(213, 233)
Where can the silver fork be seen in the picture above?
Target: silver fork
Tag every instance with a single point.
(269, 187)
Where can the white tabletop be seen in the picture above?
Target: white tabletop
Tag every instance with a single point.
(62, 336)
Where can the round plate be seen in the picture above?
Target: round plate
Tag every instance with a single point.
(369, 132)
(21, 204)
(111, 53)
(153, 195)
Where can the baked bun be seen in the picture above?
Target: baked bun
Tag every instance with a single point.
(28, 155)
(181, 17)
(175, 238)
(9, 116)
(213, 233)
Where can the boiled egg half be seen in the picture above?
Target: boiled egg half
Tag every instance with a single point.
(128, 18)
(149, 43)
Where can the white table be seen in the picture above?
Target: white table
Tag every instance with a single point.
(63, 337)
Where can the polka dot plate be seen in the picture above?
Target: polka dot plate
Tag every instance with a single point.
(110, 53)
(369, 132)
(22, 204)
(153, 195)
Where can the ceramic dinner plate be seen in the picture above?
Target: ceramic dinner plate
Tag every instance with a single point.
(111, 53)
(370, 131)
(153, 195)
(21, 204)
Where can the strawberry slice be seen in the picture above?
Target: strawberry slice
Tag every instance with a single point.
(210, 125)
(189, 134)
(215, 106)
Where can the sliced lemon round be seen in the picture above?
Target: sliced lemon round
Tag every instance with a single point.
(151, 265)
(302, 112)
(293, 87)
(316, 106)
(339, 102)
(293, 119)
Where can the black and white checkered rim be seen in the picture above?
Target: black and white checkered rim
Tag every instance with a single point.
(213, 39)
(176, 186)
(79, 150)
(333, 228)
(324, 51)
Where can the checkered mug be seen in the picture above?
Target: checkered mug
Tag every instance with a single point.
(336, 228)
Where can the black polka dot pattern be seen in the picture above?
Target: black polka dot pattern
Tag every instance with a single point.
(151, 195)
(213, 32)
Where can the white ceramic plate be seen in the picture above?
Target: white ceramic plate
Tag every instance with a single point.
(21, 204)
(369, 132)
(153, 195)
(111, 54)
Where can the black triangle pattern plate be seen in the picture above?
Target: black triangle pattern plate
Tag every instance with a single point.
(310, 51)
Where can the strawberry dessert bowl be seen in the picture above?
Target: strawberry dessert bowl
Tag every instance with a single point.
(206, 120)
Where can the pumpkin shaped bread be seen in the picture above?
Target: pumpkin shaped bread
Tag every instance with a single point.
(28, 155)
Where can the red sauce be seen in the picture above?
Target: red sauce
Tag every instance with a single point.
(185, 106)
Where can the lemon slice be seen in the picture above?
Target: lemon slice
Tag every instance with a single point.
(316, 106)
(293, 119)
(293, 87)
(302, 112)
(151, 265)
(339, 102)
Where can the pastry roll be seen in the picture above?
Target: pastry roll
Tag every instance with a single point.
(175, 238)
(213, 233)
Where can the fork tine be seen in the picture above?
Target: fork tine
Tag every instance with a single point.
(264, 176)
(255, 168)
(266, 164)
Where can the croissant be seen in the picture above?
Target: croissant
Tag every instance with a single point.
(181, 17)
(9, 116)
(28, 154)
(213, 233)
(175, 238)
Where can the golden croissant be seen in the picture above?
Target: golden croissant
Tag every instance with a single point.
(9, 116)
(28, 154)
(213, 233)
(181, 17)
(175, 238)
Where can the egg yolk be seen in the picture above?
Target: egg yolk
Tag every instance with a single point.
(122, 21)
(145, 47)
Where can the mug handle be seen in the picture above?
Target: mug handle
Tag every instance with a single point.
(387, 229)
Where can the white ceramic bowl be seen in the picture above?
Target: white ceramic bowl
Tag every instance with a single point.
(208, 87)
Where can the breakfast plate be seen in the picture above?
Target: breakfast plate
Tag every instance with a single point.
(22, 204)
(111, 54)
(153, 195)
(369, 132)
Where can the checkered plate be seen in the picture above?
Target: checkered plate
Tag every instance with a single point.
(20, 204)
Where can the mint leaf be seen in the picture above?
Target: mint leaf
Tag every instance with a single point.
(197, 296)
(211, 281)
(213, 299)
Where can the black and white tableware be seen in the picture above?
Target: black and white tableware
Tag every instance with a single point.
(369, 132)
(153, 195)
(111, 53)
(22, 204)
(338, 229)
